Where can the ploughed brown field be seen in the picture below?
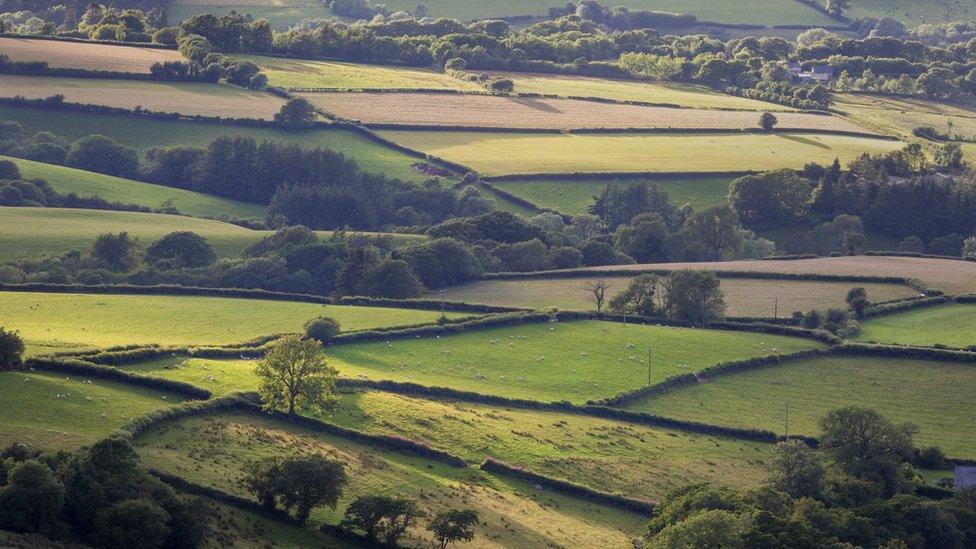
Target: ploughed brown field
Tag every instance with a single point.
(90, 56)
(949, 275)
(191, 98)
(491, 111)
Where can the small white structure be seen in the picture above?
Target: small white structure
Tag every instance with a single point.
(965, 477)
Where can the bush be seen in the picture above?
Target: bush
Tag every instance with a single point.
(98, 153)
(11, 349)
(323, 329)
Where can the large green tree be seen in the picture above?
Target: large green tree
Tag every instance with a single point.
(770, 198)
(694, 296)
(295, 377)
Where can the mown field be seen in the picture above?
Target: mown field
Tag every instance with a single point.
(662, 92)
(764, 12)
(937, 396)
(914, 12)
(573, 361)
(949, 275)
(492, 111)
(498, 153)
(143, 133)
(190, 98)
(575, 196)
(744, 296)
(901, 116)
(58, 412)
(51, 319)
(214, 451)
(127, 191)
(305, 73)
(91, 56)
(953, 325)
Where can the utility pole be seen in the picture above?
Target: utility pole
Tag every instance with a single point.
(649, 366)
(787, 419)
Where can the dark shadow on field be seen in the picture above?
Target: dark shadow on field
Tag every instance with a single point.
(804, 140)
(536, 104)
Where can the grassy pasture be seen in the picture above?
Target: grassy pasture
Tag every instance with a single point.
(29, 232)
(575, 196)
(116, 189)
(949, 275)
(281, 15)
(142, 134)
(745, 297)
(305, 73)
(670, 93)
(937, 396)
(953, 325)
(914, 12)
(562, 445)
(900, 116)
(34, 413)
(235, 527)
(765, 12)
(492, 111)
(575, 361)
(91, 56)
(214, 451)
(501, 153)
(191, 98)
(110, 320)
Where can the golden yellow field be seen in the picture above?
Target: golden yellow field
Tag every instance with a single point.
(492, 111)
(901, 116)
(91, 56)
(192, 98)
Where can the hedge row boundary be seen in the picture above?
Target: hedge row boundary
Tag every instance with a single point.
(209, 492)
(480, 323)
(108, 373)
(568, 488)
(725, 368)
(903, 305)
(765, 275)
(609, 176)
(247, 293)
(602, 412)
(148, 45)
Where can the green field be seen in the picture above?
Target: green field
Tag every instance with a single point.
(34, 413)
(111, 320)
(900, 116)
(30, 232)
(937, 396)
(953, 325)
(235, 527)
(304, 73)
(662, 92)
(562, 445)
(128, 191)
(914, 12)
(573, 361)
(214, 450)
(144, 133)
(744, 296)
(764, 12)
(499, 153)
(575, 196)
(280, 16)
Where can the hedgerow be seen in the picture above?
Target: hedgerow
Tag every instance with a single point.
(88, 369)
(569, 488)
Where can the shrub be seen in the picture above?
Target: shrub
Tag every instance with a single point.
(11, 349)
(323, 329)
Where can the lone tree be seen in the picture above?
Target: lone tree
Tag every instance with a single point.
(382, 517)
(597, 288)
(117, 251)
(297, 482)
(867, 445)
(294, 376)
(11, 349)
(857, 300)
(767, 120)
(454, 525)
(638, 298)
(837, 7)
(181, 249)
(296, 113)
(694, 296)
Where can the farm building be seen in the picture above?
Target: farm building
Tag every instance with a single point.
(965, 477)
(818, 74)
